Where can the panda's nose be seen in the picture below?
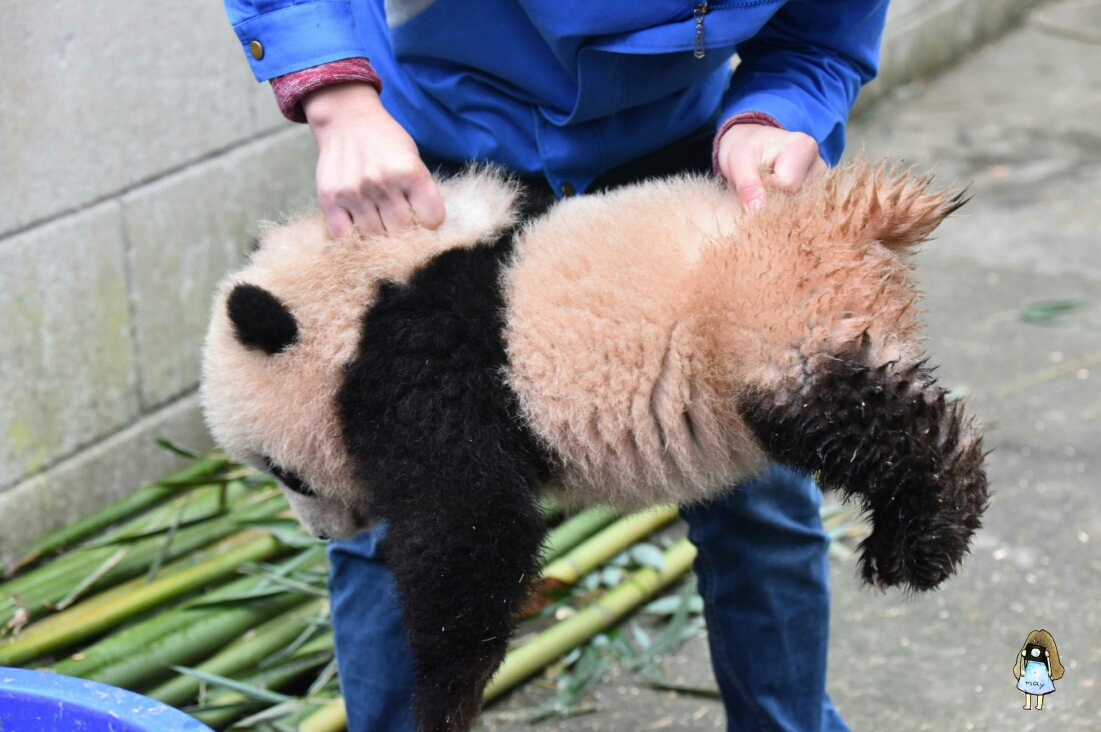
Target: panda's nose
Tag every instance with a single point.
(322, 537)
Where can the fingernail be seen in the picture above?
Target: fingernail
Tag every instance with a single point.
(755, 204)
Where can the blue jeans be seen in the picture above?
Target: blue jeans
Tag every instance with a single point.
(763, 573)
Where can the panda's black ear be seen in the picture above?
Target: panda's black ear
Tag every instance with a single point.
(260, 319)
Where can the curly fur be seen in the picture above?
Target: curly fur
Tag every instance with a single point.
(646, 344)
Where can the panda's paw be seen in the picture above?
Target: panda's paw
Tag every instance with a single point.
(913, 562)
(921, 538)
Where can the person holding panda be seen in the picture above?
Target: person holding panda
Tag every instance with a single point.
(571, 97)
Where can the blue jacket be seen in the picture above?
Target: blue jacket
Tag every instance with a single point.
(572, 88)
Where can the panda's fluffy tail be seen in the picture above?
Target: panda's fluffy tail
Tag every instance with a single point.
(891, 437)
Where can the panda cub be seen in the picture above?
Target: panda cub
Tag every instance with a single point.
(632, 347)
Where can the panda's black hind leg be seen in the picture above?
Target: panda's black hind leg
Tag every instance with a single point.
(889, 436)
(434, 432)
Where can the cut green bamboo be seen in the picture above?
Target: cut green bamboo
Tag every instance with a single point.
(119, 510)
(76, 563)
(80, 622)
(242, 654)
(564, 636)
(39, 600)
(138, 657)
(330, 718)
(574, 530)
(126, 589)
(48, 584)
(591, 553)
(307, 658)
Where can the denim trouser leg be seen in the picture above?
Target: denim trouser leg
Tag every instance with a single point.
(376, 674)
(764, 576)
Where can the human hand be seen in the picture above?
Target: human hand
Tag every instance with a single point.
(370, 176)
(788, 159)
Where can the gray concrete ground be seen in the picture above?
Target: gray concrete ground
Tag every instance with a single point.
(1021, 122)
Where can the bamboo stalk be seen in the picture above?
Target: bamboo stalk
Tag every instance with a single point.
(590, 554)
(138, 501)
(247, 651)
(80, 622)
(138, 657)
(330, 718)
(575, 530)
(566, 635)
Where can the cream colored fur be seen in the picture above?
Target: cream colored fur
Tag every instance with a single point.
(637, 320)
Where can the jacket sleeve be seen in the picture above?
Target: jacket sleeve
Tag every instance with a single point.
(292, 36)
(806, 65)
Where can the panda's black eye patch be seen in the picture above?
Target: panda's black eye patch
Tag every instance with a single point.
(289, 479)
(260, 319)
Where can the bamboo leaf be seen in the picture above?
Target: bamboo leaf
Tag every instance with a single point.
(611, 576)
(233, 599)
(1046, 312)
(285, 582)
(647, 555)
(304, 637)
(136, 536)
(162, 555)
(91, 579)
(287, 531)
(126, 508)
(247, 690)
(177, 448)
(284, 709)
(669, 605)
(326, 675)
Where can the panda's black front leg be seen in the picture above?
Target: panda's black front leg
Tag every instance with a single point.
(462, 541)
(888, 435)
(436, 438)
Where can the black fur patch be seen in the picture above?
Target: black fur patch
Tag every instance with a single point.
(260, 319)
(889, 436)
(289, 479)
(431, 425)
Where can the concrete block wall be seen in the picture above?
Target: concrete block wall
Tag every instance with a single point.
(136, 154)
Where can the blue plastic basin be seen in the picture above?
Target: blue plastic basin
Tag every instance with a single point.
(36, 701)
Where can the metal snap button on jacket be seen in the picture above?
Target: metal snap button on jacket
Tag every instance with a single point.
(256, 49)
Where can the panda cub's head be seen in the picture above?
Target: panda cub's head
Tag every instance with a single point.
(283, 328)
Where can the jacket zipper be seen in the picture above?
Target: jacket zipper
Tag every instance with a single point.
(699, 12)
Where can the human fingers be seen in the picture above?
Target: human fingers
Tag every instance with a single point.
(337, 220)
(744, 171)
(367, 220)
(394, 211)
(794, 162)
(424, 198)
